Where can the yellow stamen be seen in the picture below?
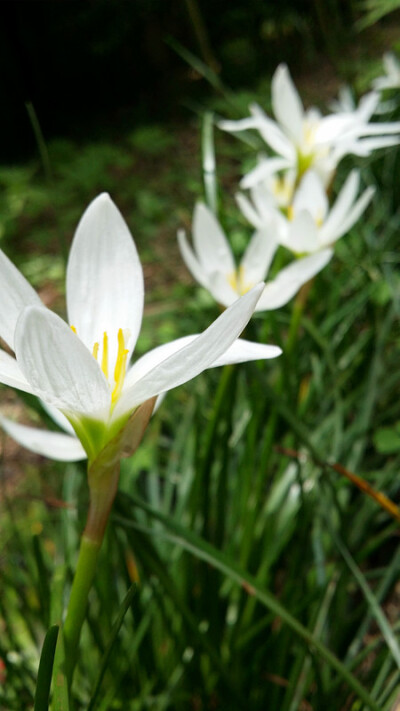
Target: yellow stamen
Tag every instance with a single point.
(104, 358)
(73, 329)
(233, 280)
(237, 281)
(290, 212)
(95, 351)
(120, 366)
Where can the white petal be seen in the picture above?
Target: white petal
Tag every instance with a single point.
(104, 279)
(210, 244)
(379, 129)
(311, 196)
(258, 256)
(235, 126)
(58, 365)
(331, 128)
(222, 290)
(364, 146)
(240, 351)
(265, 168)
(58, 417)
(279, 291)
(341, 206)
(10, 374)
(54, 445)
(191, 260)
(273, 135)
(194, 357)
(368, 105)
(286, 102)
(352, 217)
(302, 235)
(15, 294)
(247, 209)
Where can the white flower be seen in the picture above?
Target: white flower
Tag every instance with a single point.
(81, 371)
(212, 264)
(391, 78)
(309, 225)
(304, 139)
(345, 101)
(276, 187)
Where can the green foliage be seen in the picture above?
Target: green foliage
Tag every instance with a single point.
(374, 10)
(239, 570)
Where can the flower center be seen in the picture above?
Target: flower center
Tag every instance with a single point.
(282, 188)
(237, 281)
(120, 363)
(318, 217)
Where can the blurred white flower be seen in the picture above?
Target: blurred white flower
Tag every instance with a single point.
(212, 264)
(81, 372)
(304, 139)
(345, 101)
(308, 225)
(391, 78)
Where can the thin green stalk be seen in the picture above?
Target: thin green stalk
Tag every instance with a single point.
(41, 143)
(76, 612)
(208, 160)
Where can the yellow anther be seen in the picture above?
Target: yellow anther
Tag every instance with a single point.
(290, 212)
(104, 357)
(120, 366)
(237, 281)
(233, 280)
(95, 351)
(73, 329)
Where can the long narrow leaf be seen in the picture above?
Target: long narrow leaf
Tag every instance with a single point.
(125, 605)
(45, 670)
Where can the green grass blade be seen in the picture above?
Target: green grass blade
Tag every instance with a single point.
(60, 685)
(125, 605)
(45, 670)
(375, 608)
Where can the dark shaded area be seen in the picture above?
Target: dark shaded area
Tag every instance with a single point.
(94, 65)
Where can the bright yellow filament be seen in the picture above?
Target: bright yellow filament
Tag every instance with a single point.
(282, 189)
(104, 357)
(238, 282)
(120, 363)
(120, 367)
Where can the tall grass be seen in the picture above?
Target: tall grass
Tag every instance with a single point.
(240, 569)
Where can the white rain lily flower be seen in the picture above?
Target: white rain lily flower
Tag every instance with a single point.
(304, 139)
(275, 192)
(82, 371)
(345, 102)
(310, 225)
(391, 78)
(212, 264)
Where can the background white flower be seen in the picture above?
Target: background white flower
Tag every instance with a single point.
(308, 224)
(212, 263)
(304, 139)
(391, 78)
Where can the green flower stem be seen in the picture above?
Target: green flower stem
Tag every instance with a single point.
(76, 612)
(103, 484)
